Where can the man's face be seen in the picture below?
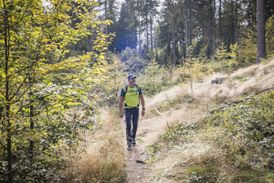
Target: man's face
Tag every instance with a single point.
(132, 81)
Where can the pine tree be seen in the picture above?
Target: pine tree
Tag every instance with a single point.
(126, 35)
(260, 30)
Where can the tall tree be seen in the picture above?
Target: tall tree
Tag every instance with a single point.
(186, 20)
(7, 112)
(168, 29)
(126, 32)
(260, 30)
(42, 76)
(149, 11)
(173, 29)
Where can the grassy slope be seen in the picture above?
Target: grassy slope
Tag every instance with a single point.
(191, 150)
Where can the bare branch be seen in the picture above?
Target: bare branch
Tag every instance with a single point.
(240, 101)
(18, 89)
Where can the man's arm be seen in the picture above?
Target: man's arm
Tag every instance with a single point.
(121, 105)
(143, 104)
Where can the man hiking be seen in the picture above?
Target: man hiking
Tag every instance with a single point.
(130, 98)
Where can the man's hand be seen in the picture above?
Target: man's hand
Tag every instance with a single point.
(143, 112)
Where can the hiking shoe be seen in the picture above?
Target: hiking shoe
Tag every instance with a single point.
(133, 142)
(129, 147)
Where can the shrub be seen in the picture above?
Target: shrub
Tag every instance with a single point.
(248, 132)
(205, 172)
(153, 79)
(132, 60)
(228, 59)
(269, 36)
(247, 48)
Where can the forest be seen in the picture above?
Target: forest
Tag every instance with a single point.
(206, 68)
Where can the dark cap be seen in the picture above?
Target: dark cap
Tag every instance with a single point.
(131, 76)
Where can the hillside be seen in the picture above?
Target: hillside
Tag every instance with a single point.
(169, 157)
(175, 141)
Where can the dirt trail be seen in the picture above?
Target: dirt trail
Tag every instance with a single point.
(151, 128)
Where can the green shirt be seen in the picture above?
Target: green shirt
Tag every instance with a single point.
(132, 96)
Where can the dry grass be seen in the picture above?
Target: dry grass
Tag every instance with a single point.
(195, 151)
(108, 165)
(164, 95)
(104, 159)
(242, 82)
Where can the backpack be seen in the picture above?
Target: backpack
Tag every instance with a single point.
(129, 101)
(126, 87)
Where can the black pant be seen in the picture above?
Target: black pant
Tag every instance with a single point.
(132, 115)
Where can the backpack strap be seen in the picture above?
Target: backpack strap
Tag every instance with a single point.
(125, 88)
(137, 86)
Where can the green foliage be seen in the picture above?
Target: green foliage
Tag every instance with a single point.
(247, 48)
(153, 79)
(47, 100)
(221, 53)
(244, 133)
(248, 132)
(269, 36)
(204, 172)
(107, 87)
(232, 62)
(196, 69)
(228, 59)
(156, 78)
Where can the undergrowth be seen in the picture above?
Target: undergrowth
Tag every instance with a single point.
(105, 159)
(248, 133)
(204, 171)
(156, 78)
(174, 135)
(243, 131)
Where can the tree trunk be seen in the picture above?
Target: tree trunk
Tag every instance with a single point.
(232, 21)
(236, 22)
(139, 27)
(7, 97)
(260, 31)
(147, 32)
(210, 30)
(139, 39)
(173, 40)
(186, 28)
(31, 121)
(220, 19)
(214, 28)
(31, 143)
(151, 34)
